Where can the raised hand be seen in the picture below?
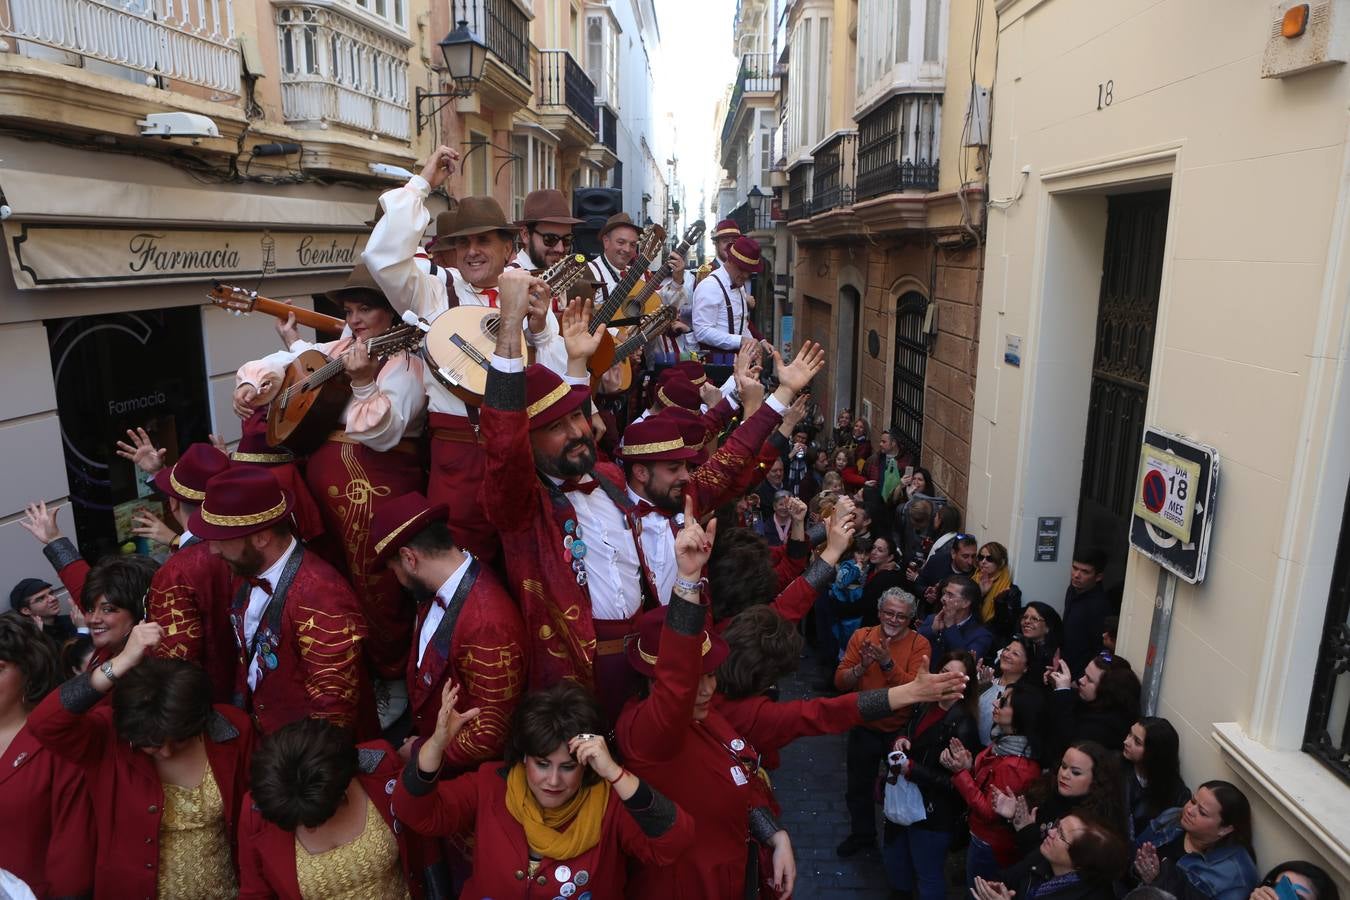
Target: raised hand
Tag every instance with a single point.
(797, 509)
(1004, 804)
(143, 638)
(839, 534)
(440, 166)
(1146, 863)
(960, 756)
(693, 545)
(146, 524)
(709, 394)
(934, 687)
(1022, 815)
(1061, 679)
(287, 331)
(591, 750)
(139, 449)
(796, 375)
(581, 343)
(40, 522)
(449, 722)
(793, 415)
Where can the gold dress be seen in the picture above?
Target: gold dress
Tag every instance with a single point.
(368, 868)
(194, 850)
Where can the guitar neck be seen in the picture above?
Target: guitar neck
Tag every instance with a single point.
(302, 316)
(647, 330)
(619, 293)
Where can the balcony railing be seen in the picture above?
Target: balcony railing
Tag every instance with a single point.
(747, 220)
(756, 74)
(562, 82)
(608, 133)
(336, 69)
(799, 193)
(502, 27)
(832, 182)
(191, 42)
(898, 146)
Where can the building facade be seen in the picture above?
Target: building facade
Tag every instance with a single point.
(1167, 248)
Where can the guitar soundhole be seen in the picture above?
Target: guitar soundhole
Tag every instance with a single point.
(488, 325)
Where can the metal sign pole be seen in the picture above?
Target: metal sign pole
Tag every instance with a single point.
(1157, 640)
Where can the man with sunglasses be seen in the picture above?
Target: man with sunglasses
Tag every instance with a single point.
(545, 230)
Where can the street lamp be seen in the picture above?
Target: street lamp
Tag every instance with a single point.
(465, 56)
(756, 199)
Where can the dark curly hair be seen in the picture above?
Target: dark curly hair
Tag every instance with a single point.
(1105, 794)
(122, 581)
(764, 647)
(301, 772)
(740, 574)
(23, 645)
(546, 719)
(1119, 687)
(161, 701)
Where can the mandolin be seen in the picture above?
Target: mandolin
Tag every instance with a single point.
(460, 341)
(241, 302)
(315, 390)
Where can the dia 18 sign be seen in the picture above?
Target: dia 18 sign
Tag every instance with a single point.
(1173, 502)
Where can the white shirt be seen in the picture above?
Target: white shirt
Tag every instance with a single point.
(710, 312)
(390, 256)
(613, 572)
(606, 275)
(436, 613)
(258, 600)
(658, 548)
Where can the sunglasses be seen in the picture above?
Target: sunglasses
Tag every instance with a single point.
(551, 240)
(985, 557)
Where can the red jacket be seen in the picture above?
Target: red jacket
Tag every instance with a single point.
(1012, 775)
(53, 849)
(127, 796)
(190, 599)
(267, 853)
(729, 472)
(681, 758)
(771, 725)
(481, 644)
(476, 803)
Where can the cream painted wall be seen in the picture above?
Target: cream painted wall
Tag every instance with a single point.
(1248, 356)
(961, 25)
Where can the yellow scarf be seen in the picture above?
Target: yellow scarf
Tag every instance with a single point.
(1002, 581)
(581, 817)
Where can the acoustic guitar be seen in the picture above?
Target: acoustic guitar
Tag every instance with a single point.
(649, 244)
(315, 390)
(647, 299)
(460, 342)
(241, 302)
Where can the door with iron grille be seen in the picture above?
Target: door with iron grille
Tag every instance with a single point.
(1127, 316)
(907, 375)
(1328, 730)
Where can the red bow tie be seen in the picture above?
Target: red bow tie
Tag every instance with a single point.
(585, 487)
(262, 583)
(643, 508)
(438, 600)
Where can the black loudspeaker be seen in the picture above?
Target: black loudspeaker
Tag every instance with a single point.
(593, 206)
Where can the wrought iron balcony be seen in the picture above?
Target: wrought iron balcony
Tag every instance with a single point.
(757, 73)
(832, 182)
(563, 82)
(898, 146)
(747, 221)
(191, 42)
(502, 27)
(335, 68)
(799, 193)
(608, 133)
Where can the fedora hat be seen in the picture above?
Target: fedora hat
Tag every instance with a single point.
(186, 479)
(476, 215)
(399, 521)
(546, 205)
(618, 220)
(642, 651)
(360, 285)
(655, 439)
(253, 450)
(745, 254)
(445, 223)
(727, 228)
(548, 398)
(688, 368)
(240, 501)
(679, 391)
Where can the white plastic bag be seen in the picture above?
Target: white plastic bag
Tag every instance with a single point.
(903, 802)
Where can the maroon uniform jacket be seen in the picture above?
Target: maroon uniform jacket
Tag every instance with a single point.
(127, 796)
(653, 834)
(51, 842)
(771, 725)
(190, 599)
(267, 853)
(722, 477)
(480, 643)
(688, 762)
(319, 669)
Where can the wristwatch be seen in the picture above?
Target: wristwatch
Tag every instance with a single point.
(107, 670)
(888, 665)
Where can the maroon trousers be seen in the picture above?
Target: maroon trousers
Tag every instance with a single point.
(615, 680)
(456, 476)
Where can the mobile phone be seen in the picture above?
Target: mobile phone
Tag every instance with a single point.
(909, 471)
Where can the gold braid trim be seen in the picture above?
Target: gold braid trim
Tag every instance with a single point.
(275, 512)
(659, 447)
(548, 400)
(189, 493)
(651, 660)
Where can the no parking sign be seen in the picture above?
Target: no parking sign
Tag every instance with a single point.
(1174, 503)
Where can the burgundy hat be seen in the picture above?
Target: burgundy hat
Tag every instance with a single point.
(254, 450)
(745, 253)
(726, 228)
(548, 398)
(679, 391)
(186, 479)
(655, 439)
(399, 521)
(692, 429)
(546, 205)
(643, 650)
(689, 368)
(240, 501)
(618, 220)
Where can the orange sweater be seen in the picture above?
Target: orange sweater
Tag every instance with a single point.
(906, 653)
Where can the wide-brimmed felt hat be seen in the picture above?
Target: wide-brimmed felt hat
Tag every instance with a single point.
(399, 521)
(679, 391)
(689, 368)
(360, 285)
(240, 501)
(618, 220)
(548, 398)
(642, 651)
(445, 224)
(726, 228)
(186, 479)
(476, 215)
(745, 253)
(655, 439)
(546, 205)
(692, 428)
(253, 450)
